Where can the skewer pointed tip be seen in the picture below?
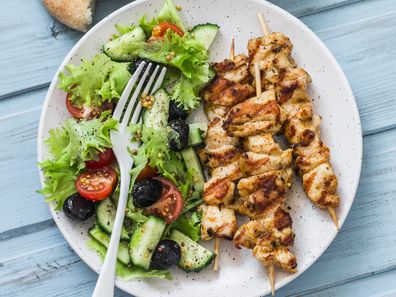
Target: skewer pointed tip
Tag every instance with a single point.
(232, 51)
(216, 250)
(271, 276)
(334, 217)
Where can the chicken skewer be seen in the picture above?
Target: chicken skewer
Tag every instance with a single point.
(222, 154)
(217, 240)
(280, 72)
(263, 192)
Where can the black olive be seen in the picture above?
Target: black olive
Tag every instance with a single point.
(166, 254)
(78, 208)
(178, 137)
(146, 192)
(135, 64)
(176, 112)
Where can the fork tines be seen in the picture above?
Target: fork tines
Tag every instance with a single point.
(123, 111)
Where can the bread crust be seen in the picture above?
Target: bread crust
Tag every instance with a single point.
(76, 14)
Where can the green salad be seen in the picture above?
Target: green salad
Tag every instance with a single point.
(162, 221)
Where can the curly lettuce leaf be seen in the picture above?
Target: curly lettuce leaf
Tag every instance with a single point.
(94, 81)
(189, 224)
(155, 152)
(128, 272)
(69, 147)
(147, 25)
(59, 181)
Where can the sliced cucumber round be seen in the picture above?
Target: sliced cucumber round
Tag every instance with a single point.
(105, 216)
(194, 257)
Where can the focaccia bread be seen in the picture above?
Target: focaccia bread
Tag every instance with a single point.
(76, 14)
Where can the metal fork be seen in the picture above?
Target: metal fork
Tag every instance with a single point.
(121, 142)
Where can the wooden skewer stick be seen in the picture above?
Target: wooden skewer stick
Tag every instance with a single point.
(258, 79)
(216, 250)
(217, 240)
(265, 30)
(271, 276)
(270, 268)
(263, 24)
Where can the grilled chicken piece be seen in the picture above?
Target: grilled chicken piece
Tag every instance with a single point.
(220, 187)
(262, 143)
(235, 70)
(280, 256)
(224, 92)
(321, 184)
(213, 111)
(254, 116)
(275, 228)
(262, 192)
(228, 87)
(217, 222)
(255, 163)
(272, 52)
(220, 148)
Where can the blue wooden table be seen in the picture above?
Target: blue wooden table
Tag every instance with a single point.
(36, 261)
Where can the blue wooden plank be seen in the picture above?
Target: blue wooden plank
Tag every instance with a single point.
(18, 130)
(363, 48)
(378, 285)
(366, 243)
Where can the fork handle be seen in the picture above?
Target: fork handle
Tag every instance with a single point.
(105, 284)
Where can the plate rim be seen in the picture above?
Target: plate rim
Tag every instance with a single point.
(123, 285)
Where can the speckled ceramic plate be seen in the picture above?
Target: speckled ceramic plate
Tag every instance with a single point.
(240, 274)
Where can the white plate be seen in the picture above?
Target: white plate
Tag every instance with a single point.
(239, 274)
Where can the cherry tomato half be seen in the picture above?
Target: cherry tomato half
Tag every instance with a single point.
(97, 184)
(170, 205)
(105, 158)
(147, 172)
(76, 112)
(87, 112)
(160, 29)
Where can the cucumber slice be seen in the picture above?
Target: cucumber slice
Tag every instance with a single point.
(201, 126)
(144, 240)
(194, 137)
(105, 216)
(117, 49)
(194, 257)
(205, 33)
(192, 163)
(157, 116)
(104, 239)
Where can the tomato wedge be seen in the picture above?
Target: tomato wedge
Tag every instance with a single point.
(160, 29)
(87, 112)
(97, 184)
(105, 158)
(147, 172)
(170, 205)
(76, 112)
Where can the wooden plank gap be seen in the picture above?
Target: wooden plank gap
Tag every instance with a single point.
(27, 229)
